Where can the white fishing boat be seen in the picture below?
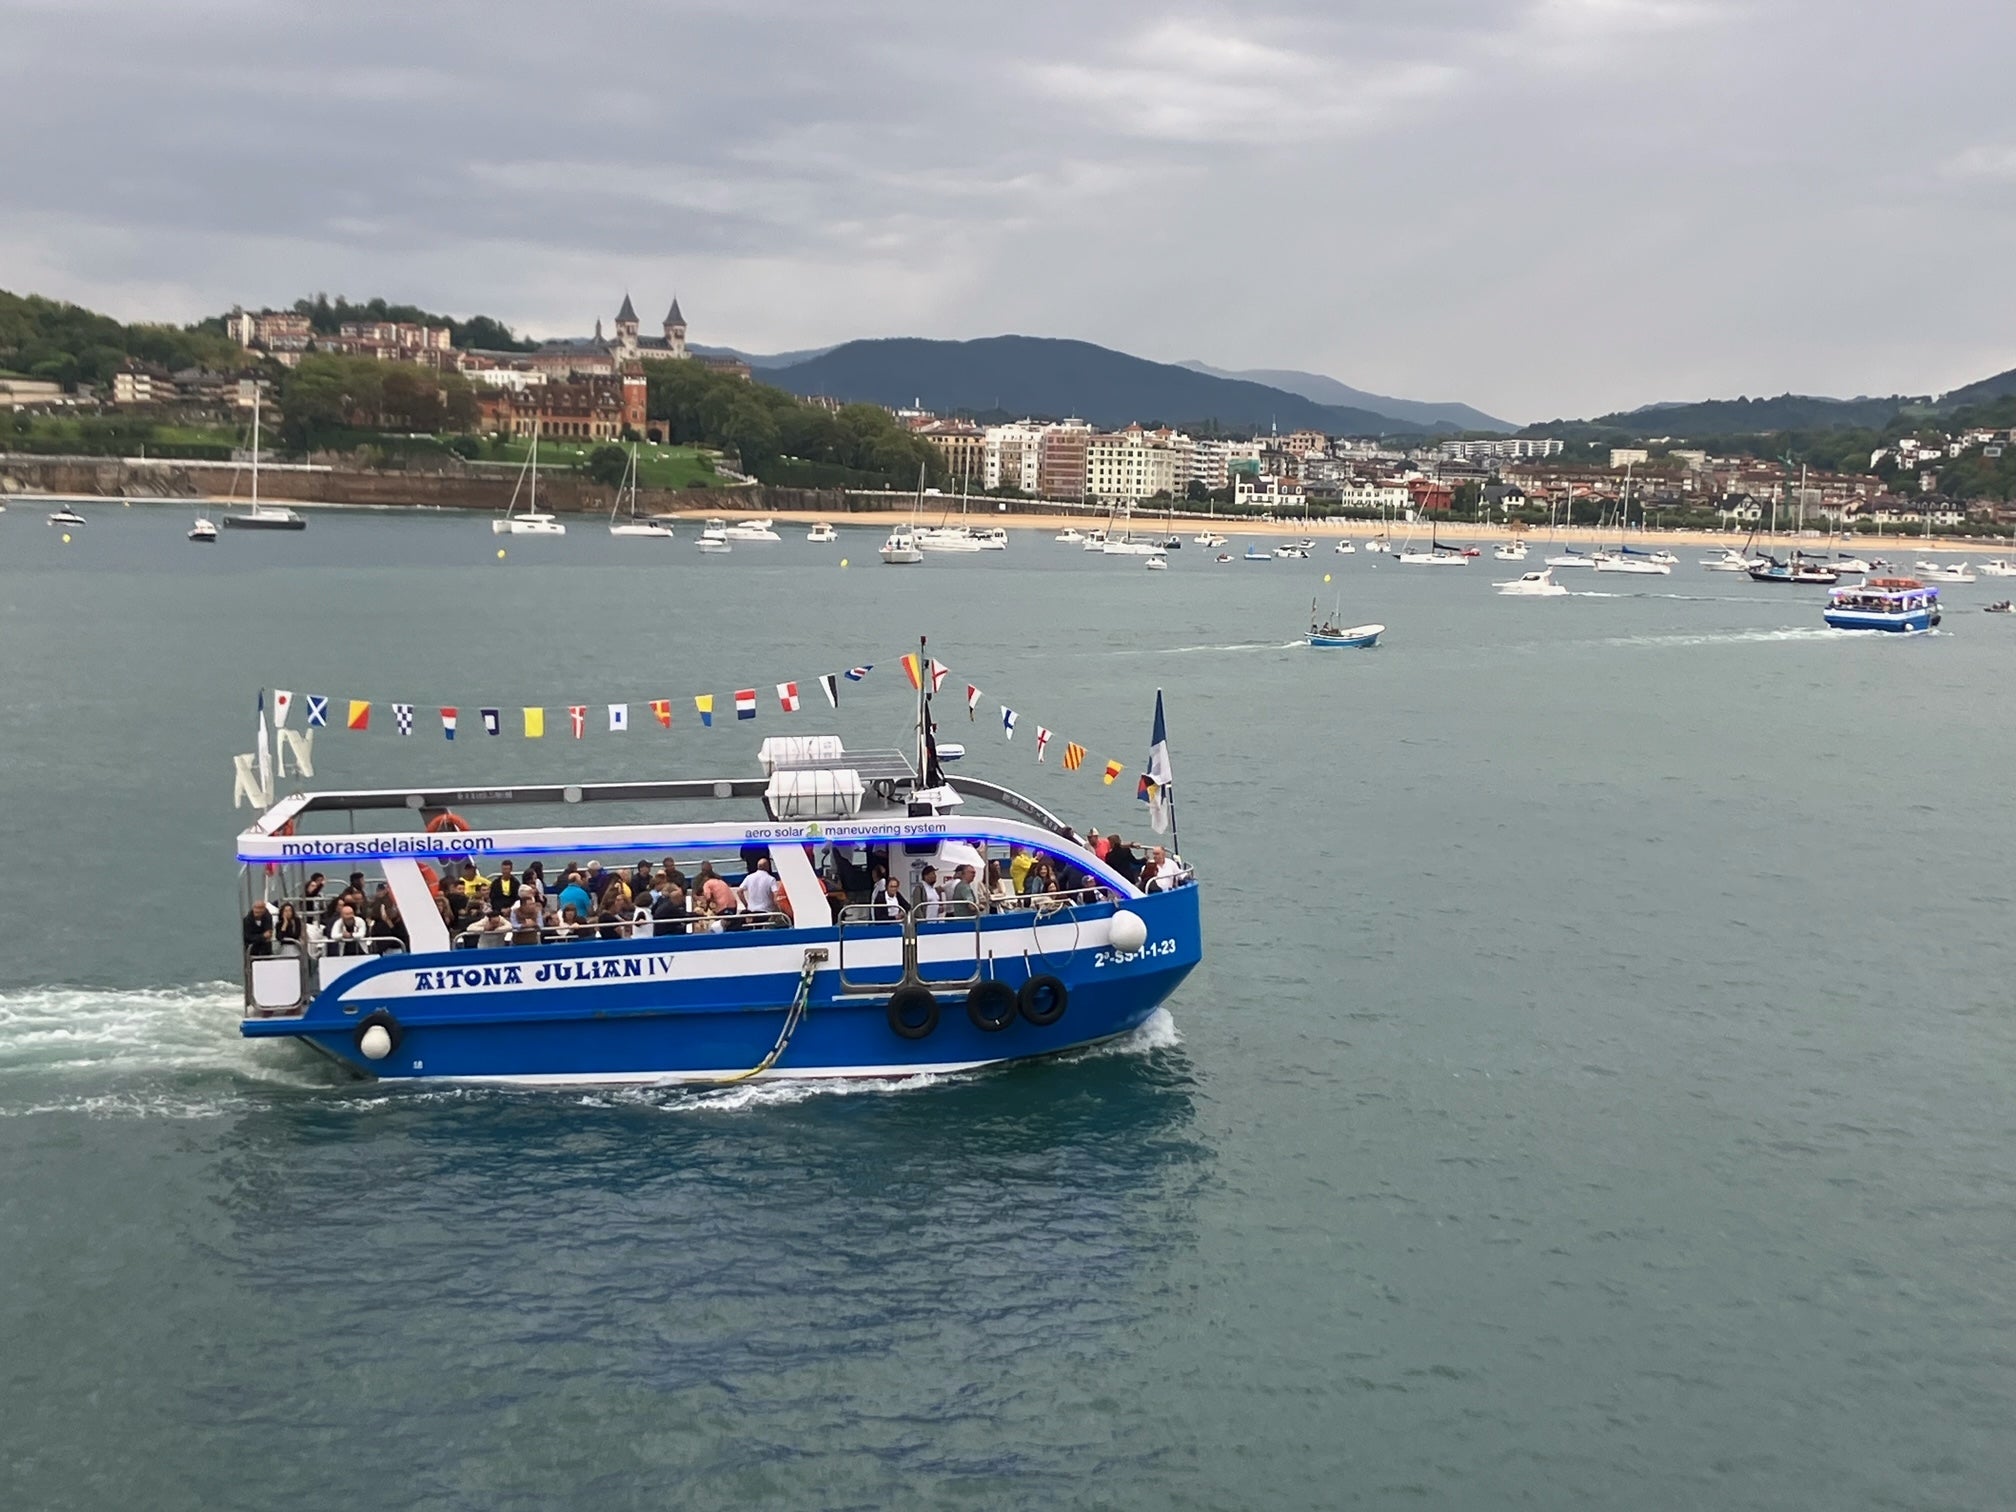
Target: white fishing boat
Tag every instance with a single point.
(1070, 535)
(1539, 584)
(1509, 551)
(531, 522)
(900, 550)
(753, 530)
(621, 524)
(714, 529)
(1157, 563)
(1344, 548)
(822, 534)
(1945, 572)
(1093, 540)
(204, 531)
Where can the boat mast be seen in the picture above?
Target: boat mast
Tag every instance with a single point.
(256, 386)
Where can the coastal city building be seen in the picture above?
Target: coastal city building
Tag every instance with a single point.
(607, 355)
(589, 407)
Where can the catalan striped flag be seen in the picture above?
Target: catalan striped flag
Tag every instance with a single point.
(1113, 770)
(1074, 756)
(360, 714)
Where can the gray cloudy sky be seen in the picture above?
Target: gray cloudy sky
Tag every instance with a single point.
(1543, 207)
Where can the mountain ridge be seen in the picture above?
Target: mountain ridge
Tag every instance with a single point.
(1324, 389)
(1054, 376)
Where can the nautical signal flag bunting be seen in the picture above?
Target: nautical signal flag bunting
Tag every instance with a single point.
(360, 714)
(745, 703)
(787, 697)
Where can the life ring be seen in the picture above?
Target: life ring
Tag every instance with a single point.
(381, 1020)
(432, 878)
(913, 1012)
(285, 829)
(992, 1005)
(1042, 1000)
(447, 819)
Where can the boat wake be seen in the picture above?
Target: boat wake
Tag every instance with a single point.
(160, 1052)
(1236, 646)
(1741, 637)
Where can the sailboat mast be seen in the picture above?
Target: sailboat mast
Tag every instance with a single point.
(256, 386)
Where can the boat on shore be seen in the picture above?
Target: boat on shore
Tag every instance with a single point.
(784, 968)
(1893, 604)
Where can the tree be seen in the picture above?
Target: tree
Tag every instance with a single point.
(608, 464)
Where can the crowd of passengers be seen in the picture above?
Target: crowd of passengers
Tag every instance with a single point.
(589, 902)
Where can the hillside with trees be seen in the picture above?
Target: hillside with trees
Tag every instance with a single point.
(79, 348)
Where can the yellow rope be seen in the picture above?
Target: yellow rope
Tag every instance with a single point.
(792, 1020)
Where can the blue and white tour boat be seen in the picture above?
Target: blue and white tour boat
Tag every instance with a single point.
(1884, 603)
(822, 981)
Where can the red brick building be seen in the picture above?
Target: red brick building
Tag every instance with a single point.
(588, 407)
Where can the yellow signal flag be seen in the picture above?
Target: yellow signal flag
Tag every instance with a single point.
(535, 724)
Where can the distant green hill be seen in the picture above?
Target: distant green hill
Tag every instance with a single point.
(2001, 386)
(1041, 376)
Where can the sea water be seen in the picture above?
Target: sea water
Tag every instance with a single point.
(1596, 1090)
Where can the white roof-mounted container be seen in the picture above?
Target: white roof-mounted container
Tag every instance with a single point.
(816, 793)
(799, 751)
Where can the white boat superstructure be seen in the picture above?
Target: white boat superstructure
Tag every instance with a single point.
(1997, 568)
(65, 516)
(956, 539)
(992, 537)
(752, 530)
(1070, 535)
(1731, 560)
(1510, 551)
(1945, 572)
(1207, 538)
(822, 533)
(1344, 548)
(531, 522)
(1292, 552)
(203, 530)
(1157, 563)
(1635, 566)
(1539, 584)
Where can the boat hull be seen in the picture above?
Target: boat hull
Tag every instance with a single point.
(247, 522)
(1865, 619)
(1360, 638)
(708, 1007)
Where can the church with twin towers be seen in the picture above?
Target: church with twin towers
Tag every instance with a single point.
(629, 343)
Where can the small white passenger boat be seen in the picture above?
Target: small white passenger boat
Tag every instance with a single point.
(1509, 551)
(900, 550)
(822, 533)
(1344, 548)
(1157, 563)
(1539, 584)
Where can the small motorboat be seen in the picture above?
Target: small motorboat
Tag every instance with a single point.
(1378, 544)
(1291, 551)
(1174, 543)
(822, 533)
(1941, 572)
(1999, 567)
(1357, 638)
(1539, 584)
(66, 516)
(1223, 556)
(991, 538)
(900, 550)
(1510, 551)
(1070, 535)
(1207, 538)
(752, 530)
(1157, 563)
(1255, 554)
(203, 531)
(1345, 548)
(713, 545)
(2000, 606)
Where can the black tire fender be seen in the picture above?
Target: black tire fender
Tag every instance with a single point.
(913, 1012)
(1043, 1000)
(992, 1006)
(379, 1019)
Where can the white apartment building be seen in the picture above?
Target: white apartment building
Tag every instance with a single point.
(1129, 465)
(1278, 495)
(1502, 448)
(1386, 494)
(1628, 456)
(135, 385)
(1211, 460)
(1012, 455)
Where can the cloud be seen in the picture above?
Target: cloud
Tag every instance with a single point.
(1983, 163)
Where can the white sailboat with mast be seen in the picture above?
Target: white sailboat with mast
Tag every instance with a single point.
(632, 525)
(531, 522)
(262, 516)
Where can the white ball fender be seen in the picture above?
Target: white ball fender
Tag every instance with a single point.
(1128, 932)
(375, 1042)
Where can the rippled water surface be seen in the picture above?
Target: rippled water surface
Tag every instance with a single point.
(1596, 1092)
